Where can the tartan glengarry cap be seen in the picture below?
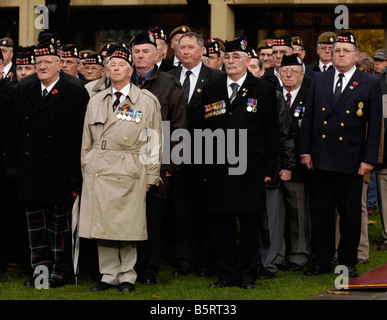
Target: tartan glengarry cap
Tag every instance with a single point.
(381, 54)
(327, 37)
(123, 53)
(47, 49)
(6, 42)
(181, 29)
(70, 51)
(145, 37)
(25, 55)
(158, 33)
(212, 47)
(94, 59)
(293, 59)
(236, 45)
(284, 40)
(346, 37)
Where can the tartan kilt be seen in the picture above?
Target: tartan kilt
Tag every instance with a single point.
(49, 232)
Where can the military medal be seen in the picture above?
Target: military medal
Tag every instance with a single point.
(359, 111)
(120, 113)
(297, 111)
(138, 116)
(251, 105)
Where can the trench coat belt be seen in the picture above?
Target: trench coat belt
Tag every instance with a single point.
(103, 145)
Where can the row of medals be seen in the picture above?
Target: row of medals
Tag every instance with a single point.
(128, 116)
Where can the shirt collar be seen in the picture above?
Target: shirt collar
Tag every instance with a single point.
(239, 82)
(347, 74)
(195, 70)
(49, 88)
(146, 75)
(124, 90)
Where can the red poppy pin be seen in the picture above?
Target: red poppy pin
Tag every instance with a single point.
(55, 91)
(11, 75)
(355, 83)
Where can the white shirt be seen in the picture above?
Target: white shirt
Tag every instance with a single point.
(346, 78)
(124, 91)
(49, 88)
(6, 69)
(239, 82)
(321, 65)
(293, 93)
(193, 78)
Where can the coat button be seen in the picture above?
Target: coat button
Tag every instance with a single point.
(125, 138)
(122, 157)
(342, 124)
(26, 118)
(26, 153)
(341, 138)
(96, 175)
(323, 109)
(323, 136)
(27, 134)
(348, 112)
(325, 122)
(230, 113)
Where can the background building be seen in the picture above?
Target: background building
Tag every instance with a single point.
(91, 23)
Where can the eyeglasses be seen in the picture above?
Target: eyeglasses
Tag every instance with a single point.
(298, 49)
(235, 58)
(292, 72)
(343, 51)
(45, 62)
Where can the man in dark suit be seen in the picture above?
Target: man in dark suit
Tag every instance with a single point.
(193, 244)
(294, 203)
(339, 140)
(43, 154)
(245, 106)
(323, 48)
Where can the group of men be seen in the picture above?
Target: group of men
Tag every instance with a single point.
(292, 146)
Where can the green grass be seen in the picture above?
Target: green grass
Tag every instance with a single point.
(285, 286)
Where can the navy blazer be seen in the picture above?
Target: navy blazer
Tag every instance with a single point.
(340, 134)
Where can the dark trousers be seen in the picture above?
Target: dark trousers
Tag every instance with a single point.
(194, 228)
(149, 251)
(50, 237)
(331, 190)
(237, 262)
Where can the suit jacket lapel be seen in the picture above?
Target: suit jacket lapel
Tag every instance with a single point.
(243, 90)
(203, 77)
(350, 88)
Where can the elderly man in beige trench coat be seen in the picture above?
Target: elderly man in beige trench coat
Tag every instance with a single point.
(120, 157)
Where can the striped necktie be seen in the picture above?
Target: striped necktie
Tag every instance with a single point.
(117, 101)
(288, 99)
(339, 85)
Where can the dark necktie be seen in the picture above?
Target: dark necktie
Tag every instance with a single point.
(325, 68)
(234, 86)
(288, 99)
(186, 84)
(45, 92)
(141, 81)
(339, 85)
(117, 101)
